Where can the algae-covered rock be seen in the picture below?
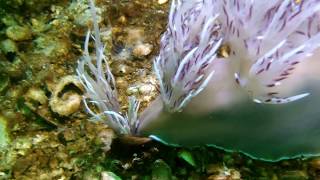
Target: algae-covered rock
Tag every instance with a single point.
(52, 46)
(4, 134)
(109, 176)
(13, 69)
(26, 5)
(8, 20)
(18, 33)
(80, 13)
(4, 83)
(8, 46)
(161, 170)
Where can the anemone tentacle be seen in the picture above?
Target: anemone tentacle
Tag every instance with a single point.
(101, 99)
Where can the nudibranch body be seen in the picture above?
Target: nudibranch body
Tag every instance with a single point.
(255, 102)
(268, 41)
(242, 104)
(188, 49)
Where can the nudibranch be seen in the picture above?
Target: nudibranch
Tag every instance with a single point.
(268, 41)
(257, 99)
(236, 75)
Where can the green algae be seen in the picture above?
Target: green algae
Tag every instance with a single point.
(4, 133)
(18, 33)
(187, 156)
(161, 170)
(8, 46)
(4, 83)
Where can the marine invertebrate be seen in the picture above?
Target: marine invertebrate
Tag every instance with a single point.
(188, 47)
(100, 98)
(268, 41)
(270, 44)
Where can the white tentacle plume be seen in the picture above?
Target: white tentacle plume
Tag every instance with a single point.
(188, 48)
(268, 40)
(101, 99)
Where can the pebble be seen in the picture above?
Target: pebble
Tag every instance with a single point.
(121, 83)
(120, 69)
(222, 173)
(162, 1)
(8, 46)
(315, 163)
(37, 95)
(108, 175)
(146, 88)
(132, 90)
(142, 50)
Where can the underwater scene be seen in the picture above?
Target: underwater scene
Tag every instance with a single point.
(159, 89)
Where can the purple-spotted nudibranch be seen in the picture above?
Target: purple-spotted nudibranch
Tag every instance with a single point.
(244, 64)
(268, 40)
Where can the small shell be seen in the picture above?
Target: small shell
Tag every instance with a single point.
(142, 50)
(66, 103)
(146, 89)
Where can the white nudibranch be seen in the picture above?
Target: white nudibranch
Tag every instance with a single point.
(188, 48)
(268, 39)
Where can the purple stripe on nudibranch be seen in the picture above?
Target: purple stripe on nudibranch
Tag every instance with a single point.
(271, 38)
(194, 43)
(274, 37)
